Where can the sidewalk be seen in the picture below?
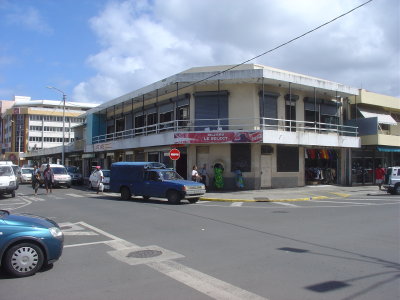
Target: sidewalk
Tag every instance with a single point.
(305, 193)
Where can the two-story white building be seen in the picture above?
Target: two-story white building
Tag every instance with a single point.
(281, 129)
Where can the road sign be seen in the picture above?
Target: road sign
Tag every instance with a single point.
(174, 154)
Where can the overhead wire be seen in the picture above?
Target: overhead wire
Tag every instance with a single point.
(279, 46)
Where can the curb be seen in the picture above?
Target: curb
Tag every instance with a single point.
(266, 200)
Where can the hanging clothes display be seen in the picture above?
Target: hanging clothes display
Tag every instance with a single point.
(321, 166)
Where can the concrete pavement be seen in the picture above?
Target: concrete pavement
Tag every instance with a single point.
(293, 194)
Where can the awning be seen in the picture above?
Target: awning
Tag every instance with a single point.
(383, 117)
(388, 149)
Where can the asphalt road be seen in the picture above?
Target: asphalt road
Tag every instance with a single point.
(338, 248)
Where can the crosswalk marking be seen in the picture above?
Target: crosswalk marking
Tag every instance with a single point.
(237, 204)
(286, 204)
(75, 195)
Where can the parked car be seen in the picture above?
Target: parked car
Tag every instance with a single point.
(392, 180)
(16, 169)
(149, 179)
(26, 175)
(28, 242)
(8, 183)
(76, 175)
(106, 180)
(61, 177)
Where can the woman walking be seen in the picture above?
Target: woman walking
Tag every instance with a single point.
(35, 179)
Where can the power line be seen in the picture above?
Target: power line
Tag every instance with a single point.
(281, 45)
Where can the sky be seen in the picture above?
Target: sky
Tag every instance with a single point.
(98, 50)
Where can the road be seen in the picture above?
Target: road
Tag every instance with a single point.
(335, 248)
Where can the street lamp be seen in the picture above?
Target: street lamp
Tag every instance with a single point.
(63, 131)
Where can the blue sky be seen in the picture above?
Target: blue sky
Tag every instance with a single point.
(97, 50)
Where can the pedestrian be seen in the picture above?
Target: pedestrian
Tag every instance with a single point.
(35, 179)
(204, 175)
(98, 175)
(48, 179)
(195, 174)
(379, 176)
(239, 178)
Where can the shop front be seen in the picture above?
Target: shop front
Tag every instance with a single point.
(368, 158)
(321, 166)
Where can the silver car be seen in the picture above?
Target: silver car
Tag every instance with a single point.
(26, 175)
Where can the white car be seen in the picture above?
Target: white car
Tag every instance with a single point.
(7, 180)
(26, 175)
(392, 180)
(106, 180)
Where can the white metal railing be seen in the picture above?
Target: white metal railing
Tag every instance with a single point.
(231, 125)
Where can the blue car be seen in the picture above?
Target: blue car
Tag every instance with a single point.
(27, 243)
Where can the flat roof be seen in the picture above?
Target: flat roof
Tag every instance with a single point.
(230, 74)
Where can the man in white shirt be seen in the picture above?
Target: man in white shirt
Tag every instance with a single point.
(99, 177)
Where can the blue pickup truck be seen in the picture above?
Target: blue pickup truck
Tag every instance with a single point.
(149, 179)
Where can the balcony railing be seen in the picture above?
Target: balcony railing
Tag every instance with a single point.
(230, 125)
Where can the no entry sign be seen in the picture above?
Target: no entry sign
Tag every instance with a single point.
(174, 154)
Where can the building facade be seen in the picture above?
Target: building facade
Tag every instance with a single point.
(281, 129)
(377, 117)
(29, 126)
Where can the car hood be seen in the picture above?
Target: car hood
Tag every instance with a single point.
(29, 220)
(185, 182)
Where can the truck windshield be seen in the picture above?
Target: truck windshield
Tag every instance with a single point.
(170, 175)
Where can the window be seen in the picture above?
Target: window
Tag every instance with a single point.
(287, 159)
(120, 124)
(241, 157)
(139, 123)
(182, 114)
(151, 119)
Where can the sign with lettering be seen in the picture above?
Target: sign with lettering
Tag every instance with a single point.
(218, 137)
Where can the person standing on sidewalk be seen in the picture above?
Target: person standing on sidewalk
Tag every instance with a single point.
(99, 178)
(204, 175)
(379, 176)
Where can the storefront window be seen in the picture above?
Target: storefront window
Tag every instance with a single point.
(321, 166)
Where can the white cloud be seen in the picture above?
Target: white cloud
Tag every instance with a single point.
(29, 18)
(145, 41)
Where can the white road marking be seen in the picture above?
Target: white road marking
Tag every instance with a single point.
(236, 204)
(85, 244)
(75, 195)
(79, 233)
(34, 198)
(286, 204)
(208, 285)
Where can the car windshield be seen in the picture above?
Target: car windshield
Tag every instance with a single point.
(106, 173)
(59, 171)
(170, 175)
(72, 169)
(27, 171)
(6, 171)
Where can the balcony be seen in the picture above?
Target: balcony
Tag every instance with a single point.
(372, 132)
(271, 131)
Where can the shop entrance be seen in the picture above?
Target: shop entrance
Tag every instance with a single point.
(321, 166)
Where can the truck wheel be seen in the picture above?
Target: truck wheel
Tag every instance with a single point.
(193, 200)
(125, 193)
(397, 189)
(146, 198)
(174, 197)
(23, 260)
